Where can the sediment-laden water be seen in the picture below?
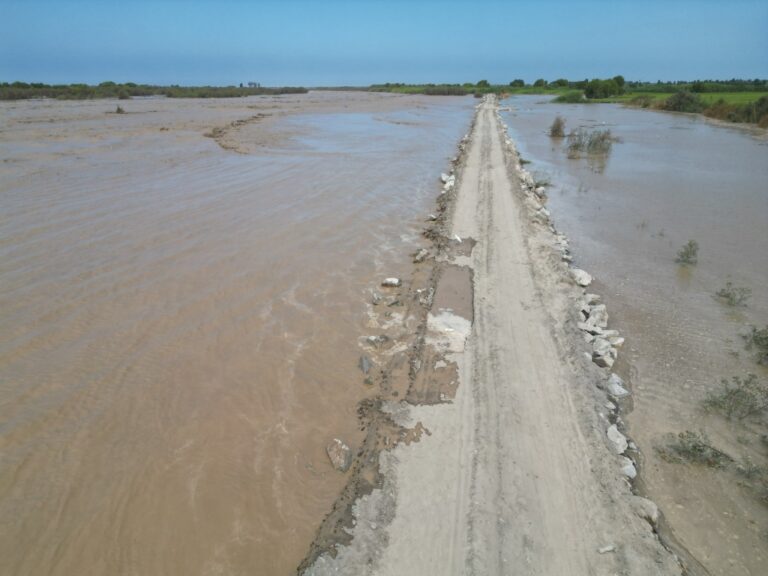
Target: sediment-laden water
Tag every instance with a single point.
(179, 321)
(668, 179)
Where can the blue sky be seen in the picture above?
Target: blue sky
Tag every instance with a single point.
(334, 42)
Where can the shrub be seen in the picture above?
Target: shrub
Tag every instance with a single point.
(570, 97)
(734, 295)
(758, 339)
(557, 130)
(683, 102)
(540, 83)
(596, 142)
(742, 397)
(688, 254)
(517, 83)
(119, 110)
(692, 447)
(602, 88)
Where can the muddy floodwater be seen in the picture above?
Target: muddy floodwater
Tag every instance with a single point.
(182, 291)
(668, 179)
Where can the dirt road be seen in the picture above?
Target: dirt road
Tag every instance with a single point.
(516, 475)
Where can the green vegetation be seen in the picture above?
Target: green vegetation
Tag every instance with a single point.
(734, 295)
(597, 88)
(757, 340)
(693, 447)
(571, 97)
(688, 254)
(557, 130)
(740, 398)
(594, 142)
(24, 91)
(683, 102)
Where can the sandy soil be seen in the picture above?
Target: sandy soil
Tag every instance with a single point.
(514, 473)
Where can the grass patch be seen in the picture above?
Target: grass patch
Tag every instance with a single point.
(557, 129)
(692, 447)
(688, 254)
(734, 295)
(739, 398)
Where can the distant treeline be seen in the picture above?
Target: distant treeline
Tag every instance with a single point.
(731, 100)
(25, 91)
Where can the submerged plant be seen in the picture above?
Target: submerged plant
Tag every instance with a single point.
(734, 295)
(740, 398)
(119, 110)
(557, 130)
(688, 254)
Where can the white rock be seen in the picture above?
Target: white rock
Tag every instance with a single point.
(591, 299)
(580, 277)
(457, 238)
(601, 347)
(606, 549)
(610, 333)
(591, 328)
(628, 467)
(617, 440)
(616, 387)
(444, 177)
(392, 282)
(616, 341)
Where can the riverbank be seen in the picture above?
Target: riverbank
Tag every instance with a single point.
(521, 460)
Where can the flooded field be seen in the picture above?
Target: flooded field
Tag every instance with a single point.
(669, 179)
(179, 318)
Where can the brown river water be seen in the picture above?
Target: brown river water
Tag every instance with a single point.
(179, 322)
(668, 179)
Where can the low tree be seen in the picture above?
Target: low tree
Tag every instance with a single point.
(517, 83)
(540, 83)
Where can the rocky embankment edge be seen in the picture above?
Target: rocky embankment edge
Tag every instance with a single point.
(392, 365)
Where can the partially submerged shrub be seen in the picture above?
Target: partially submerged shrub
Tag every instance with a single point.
(594, 142)
(688, 254)
(557, 130)
(119, 110)
(734, 295)
(692, 447)
(740, 398)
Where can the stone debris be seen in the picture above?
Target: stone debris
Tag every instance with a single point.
(581, 278)
(606, 549)
(617, 439)
(457, 238)
(339, 454)
(392, 282)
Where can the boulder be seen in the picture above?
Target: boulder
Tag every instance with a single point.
(616, 387)
(444, 177)
(591, 299)
(377, 340)
(628, 467)
(598, 316)
(617, 440)
(392, 282)
(339, 454)
(580, 277)
(646, 509)
(616, 341)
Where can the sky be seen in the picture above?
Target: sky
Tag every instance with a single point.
(361, 42)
